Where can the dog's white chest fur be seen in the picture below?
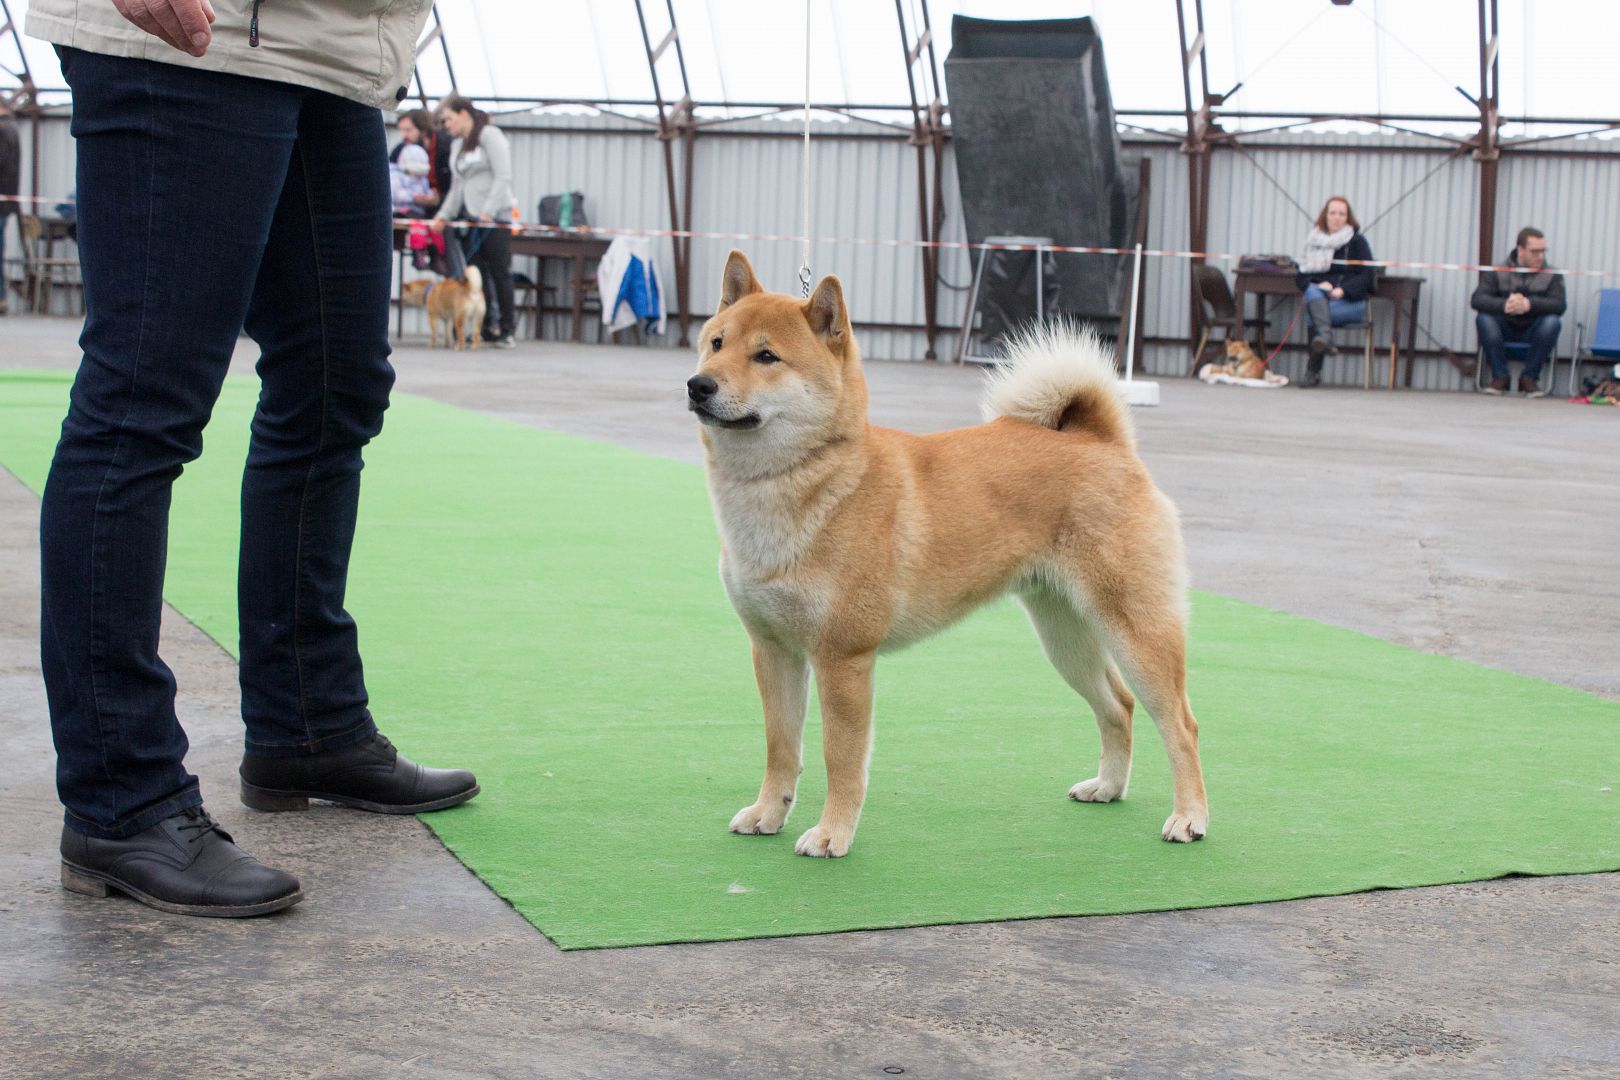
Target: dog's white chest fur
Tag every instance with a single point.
(767, 535)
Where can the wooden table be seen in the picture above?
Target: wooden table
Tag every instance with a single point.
(1402, 293)
(578, 247)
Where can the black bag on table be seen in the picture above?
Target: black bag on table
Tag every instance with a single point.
(566, 211)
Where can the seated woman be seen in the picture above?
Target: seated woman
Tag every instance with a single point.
(1335, 294)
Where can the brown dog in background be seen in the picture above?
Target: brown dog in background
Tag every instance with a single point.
(1241, 362)
(841, 540)
(459, 304)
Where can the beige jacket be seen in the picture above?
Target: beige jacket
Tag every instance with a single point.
(358, 49)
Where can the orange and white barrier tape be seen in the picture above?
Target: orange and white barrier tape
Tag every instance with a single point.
(1062, 249)
(519, 229)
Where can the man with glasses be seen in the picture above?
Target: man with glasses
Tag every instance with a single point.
(1521, 303)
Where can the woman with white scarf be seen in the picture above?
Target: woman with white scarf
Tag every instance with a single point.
(1335, 293)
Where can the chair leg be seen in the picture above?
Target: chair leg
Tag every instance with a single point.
(1366, 358)
(1198, 353)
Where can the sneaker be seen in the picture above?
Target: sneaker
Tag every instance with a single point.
(1529, 389)
(504, 342)
(1497, 388)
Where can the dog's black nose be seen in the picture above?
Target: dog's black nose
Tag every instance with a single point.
(701, 388)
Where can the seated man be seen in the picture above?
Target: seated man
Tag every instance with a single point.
(1520, 304)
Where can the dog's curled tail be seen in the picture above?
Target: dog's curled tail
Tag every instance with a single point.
(475, 279)
(1060, 376)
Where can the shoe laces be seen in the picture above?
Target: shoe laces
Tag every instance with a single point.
(200, 822)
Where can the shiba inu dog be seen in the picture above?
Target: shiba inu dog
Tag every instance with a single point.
(458, 304)
(842, 540)
(1241, 362)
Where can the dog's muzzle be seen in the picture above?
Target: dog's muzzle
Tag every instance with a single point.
(700, 389)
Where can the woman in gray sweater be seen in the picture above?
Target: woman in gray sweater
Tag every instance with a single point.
(481, 191)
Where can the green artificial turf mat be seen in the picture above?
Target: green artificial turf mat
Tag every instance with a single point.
(545, 610)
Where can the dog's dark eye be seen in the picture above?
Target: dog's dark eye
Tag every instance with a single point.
(765, 356)
(715, 344)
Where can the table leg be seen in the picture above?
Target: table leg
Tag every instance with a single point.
(539, 297)
(1411, 338)
(1394, 342)
(579, 296)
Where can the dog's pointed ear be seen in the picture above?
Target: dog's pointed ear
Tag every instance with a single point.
(826, 313)
(738, 281)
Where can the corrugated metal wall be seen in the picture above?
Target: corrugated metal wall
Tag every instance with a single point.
(1417, 200)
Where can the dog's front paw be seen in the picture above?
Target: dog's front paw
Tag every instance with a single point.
(1096, 790)
(824, 843)
(760, 819)
(1185, 828)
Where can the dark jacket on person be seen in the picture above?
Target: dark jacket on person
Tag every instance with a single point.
(1543, 288)
(1356, 281)
(10, 168)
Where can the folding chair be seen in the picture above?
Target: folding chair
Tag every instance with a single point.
(41, 275)
(1220, 310)
(1365, 325)
(1517, 351)
(1604, 347)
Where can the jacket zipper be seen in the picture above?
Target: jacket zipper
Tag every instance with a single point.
(253, 26)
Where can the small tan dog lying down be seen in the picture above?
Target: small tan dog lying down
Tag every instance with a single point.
(841, 540)
(1241, 362)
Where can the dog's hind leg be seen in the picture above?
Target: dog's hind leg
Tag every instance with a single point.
(1152, 650)
(784, 683)
(1074, 648)
(844, 685)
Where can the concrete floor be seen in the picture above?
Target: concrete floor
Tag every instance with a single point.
(1462, 525)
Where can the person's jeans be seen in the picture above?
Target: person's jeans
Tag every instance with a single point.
(1322, 313)
(494, 261)
(209, 204)
(1495, 331)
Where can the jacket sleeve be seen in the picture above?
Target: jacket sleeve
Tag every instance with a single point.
(453, 201)
(1358, 281)
(498, 151)
(1550, 302)
(1487, 297)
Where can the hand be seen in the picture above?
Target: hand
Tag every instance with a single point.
(427, 200)
(1517, 304)
(437, 225)
(1336, 294)
(183, 24)
(485, 219)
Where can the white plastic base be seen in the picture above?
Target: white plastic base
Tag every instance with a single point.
(1139, 392)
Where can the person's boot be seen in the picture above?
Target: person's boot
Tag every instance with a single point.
(1497, 387)
(184, 864)
(370, 775)
(1313, 365)
(1530, 388)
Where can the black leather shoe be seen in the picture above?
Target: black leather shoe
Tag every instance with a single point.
(185, 864)
(371, 775)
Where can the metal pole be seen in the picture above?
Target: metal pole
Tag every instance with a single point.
(1130, 336)
(1486, 152)
(1192, 148)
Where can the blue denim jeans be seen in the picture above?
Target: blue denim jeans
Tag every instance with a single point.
(1337, 312)
(1495, 331)
(210, 204)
